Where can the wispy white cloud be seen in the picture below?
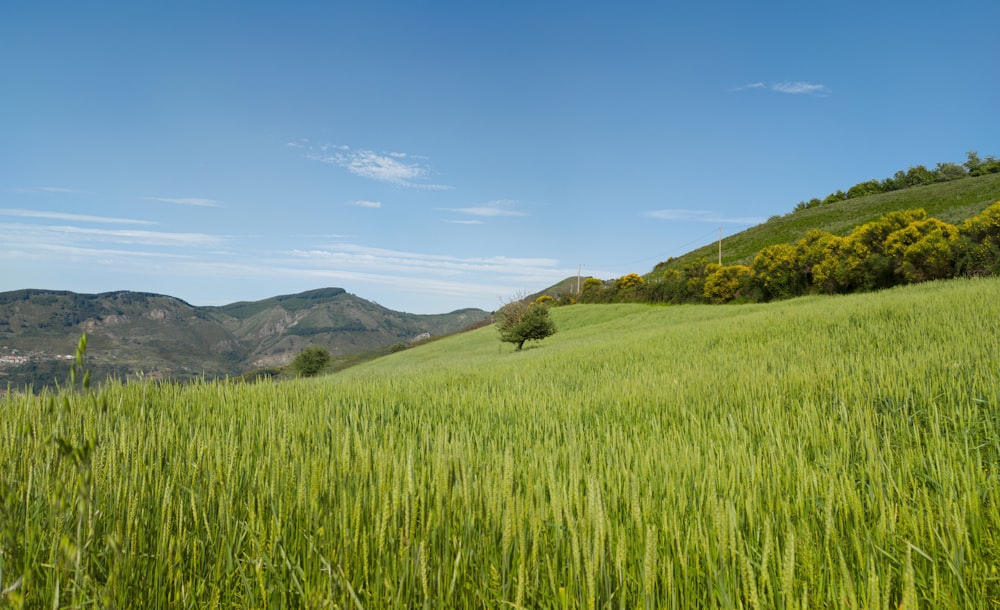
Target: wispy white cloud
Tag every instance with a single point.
(801, 88)
(702, 216)
(499, 207)
(191, 201)
(112, 255)
(398, 168)
(29, 236)
(57, 189)
(142, 237)
(47, 189)
(793, 88)
(476, 281)
(466, 222)
(342, 257)
(461, 291)
(71, 217)
(123, 250)
(353, 256)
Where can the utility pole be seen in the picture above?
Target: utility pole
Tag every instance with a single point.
(720, 246)
(578, 269)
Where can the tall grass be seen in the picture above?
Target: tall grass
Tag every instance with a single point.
(820, 452)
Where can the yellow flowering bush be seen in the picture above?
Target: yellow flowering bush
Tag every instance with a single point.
(725, 284)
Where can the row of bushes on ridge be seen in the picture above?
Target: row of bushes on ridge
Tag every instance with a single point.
(918, 175)
(900, 248)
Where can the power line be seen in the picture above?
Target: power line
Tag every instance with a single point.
(679, 250)
(668, 254)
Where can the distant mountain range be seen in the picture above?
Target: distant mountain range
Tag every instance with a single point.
(164, 337)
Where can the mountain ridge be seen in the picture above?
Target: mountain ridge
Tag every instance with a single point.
(168, 338)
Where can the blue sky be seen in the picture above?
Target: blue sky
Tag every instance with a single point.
(437, 155)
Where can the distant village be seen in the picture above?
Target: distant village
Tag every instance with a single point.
(12, 357)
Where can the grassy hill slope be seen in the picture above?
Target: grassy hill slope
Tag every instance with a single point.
(659, 336)
(949, 201)
(817, 452)
(786, 447)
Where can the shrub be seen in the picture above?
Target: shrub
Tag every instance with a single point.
(979, 252)
(984, 226)
(776, 271)
(879, 269)
(629, 281)
(728, 283)
(311, 361)
(593, 291)
(874, 234)
(924, 250)
(629, 288)
(832, 263)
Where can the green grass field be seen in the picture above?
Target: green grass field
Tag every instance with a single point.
(837, 452)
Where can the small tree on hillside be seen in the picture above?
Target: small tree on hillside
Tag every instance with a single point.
(311, 361)
(519, 321)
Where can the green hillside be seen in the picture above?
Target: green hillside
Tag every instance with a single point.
(163, 337)
(815, 452)
(951, 202)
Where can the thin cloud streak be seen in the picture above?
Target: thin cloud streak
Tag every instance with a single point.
(335, 257)
(367, 204)
(800, 88)
(48, 189)
(792, 88)
(162, 257)
(425, 277)
(701, 216)
(379, 259)
(189, 201)
(71, 217)
(143, 237)
(35, 236)
(57, 189)
(485, 211)
(36, 242)
(457, 289)
(500, 207)
(111, 252)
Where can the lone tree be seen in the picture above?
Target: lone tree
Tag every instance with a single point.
(311, 361)
(519, 321)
